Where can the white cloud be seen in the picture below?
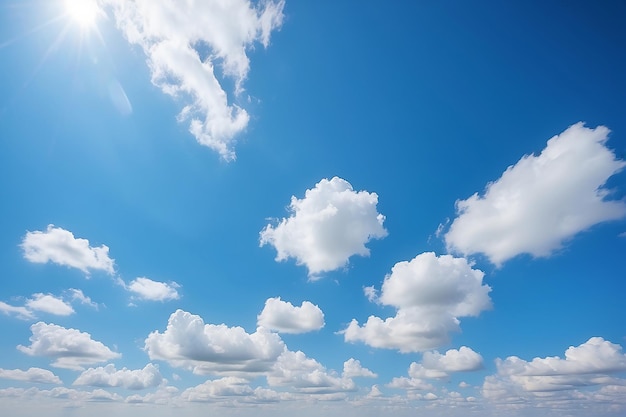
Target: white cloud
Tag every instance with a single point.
(80, 296)
(328, 226)
(147, 289)
(430, 293)
(588, 364)
(306, 375)
(225, 387)
(462, 360)
(208, 348)
(70, 348)
(108, 376)
(352, 368)
(541, 201)
(185, 41)
(49, 304)
(37, 375)
(21, 312)
(282, 316)
(61, 247)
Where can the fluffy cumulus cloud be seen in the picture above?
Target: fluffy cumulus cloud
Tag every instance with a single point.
(328, 226)
(37, 375)
(108, 376)
(437, 365)
(430, 294)
(203, 348)
(306, 375)
(147, 289)
(284, 317)
(229, 386)
(584, 383)
(192, 48)
(541, 200)
(588, 364)
(59, 246)
(70, 348)
(352, 368)
(48, 303)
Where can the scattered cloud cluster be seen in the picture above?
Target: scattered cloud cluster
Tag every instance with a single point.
(190, 46)
(59, 246)
(47, 303)
(541, 200)
(284, 317)
(585, 378)
(108, 376)
(70, 348)
(328, 226)
(430, 293)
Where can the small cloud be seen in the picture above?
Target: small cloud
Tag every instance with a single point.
(49, 304)
(59, 246)
(147, 289)
(36, 375)
(21, 312)
(283, 317)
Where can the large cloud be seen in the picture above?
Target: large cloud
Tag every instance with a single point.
(70, 348)
(185, 41)
(59, 246)
(329, 225)
(284, 317)
(147, 289)
(430, 293)
(437, 365)
(541, 200)
(108, 376)
(38, 375)
(585, 382)
(189, 343)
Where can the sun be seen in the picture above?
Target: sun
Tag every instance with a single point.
(83, 12)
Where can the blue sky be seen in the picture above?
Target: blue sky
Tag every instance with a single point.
(312, 207)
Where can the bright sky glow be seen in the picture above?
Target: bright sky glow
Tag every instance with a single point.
(83, 12)
(261, 208)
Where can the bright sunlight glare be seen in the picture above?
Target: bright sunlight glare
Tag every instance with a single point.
(83, 12)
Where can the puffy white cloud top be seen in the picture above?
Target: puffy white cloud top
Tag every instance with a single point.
(328, 226)
(49, 304)
(59, 246)
(430, 293)
(108, 376)
(588, 364)
(541, 200)
(284, 317)
(71, 348)
(147, 289)
(189, 343)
